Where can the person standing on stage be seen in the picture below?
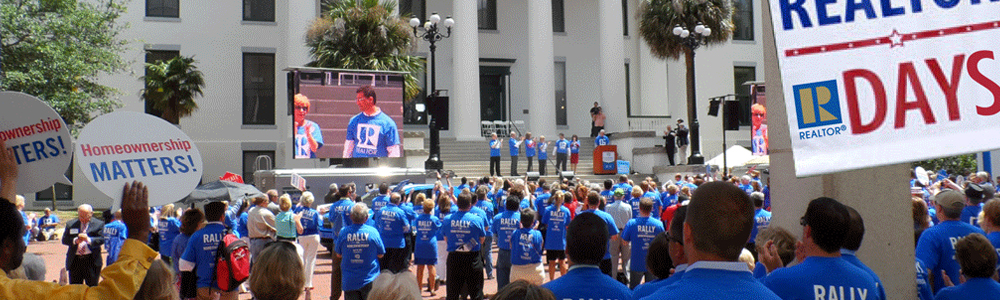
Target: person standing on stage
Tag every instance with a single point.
(515, 147)
(529, 149)
(562, 149)
(543, 154)
(670, 143)
(682, 141)
(495, 155)
(574, 152)
(601, 139)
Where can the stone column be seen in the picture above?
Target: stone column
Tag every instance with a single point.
(612, 65)
(464, 96)
(541, 65)
(653, 80)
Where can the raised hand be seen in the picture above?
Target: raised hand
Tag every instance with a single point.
(135, 210)
(8, 173)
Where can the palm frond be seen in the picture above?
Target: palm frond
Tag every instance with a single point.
(657, 18)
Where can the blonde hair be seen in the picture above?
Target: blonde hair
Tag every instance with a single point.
(277, 273)
(636, 191)
(285, 202)
(747, 257)
(307, 198)
(395, 286)
(167, 211)
(302, 100)
(19, 201)
(158, 284)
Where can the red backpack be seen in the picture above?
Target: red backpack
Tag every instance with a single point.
(232, 263)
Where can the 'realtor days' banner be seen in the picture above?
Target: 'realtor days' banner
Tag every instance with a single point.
(878, 82)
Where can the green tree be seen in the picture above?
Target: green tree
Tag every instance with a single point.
(171, 87)
(657, 19)
(959, 164)
(58, 49)
(364, 34)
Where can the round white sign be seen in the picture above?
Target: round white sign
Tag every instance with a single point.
(122, 147)
(39, 140)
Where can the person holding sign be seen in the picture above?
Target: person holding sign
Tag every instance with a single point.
(121, 280)
(371, 133)
(308, 135)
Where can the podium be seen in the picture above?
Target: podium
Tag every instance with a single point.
(605, 160)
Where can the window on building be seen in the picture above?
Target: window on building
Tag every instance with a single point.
(560, 87)
(413, 8)
(63, 192)
(632, 109)
(743, 20)
(488, 14)
(558, 16)
(153, 56)
(249, 163)
(163, 8)
(258, 88)
(625, 17)
(258, 10)
(740, 76)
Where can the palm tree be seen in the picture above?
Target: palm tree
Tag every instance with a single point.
(171, 87)
(364, 34)
(657, 19)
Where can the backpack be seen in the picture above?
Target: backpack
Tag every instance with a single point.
(232, 263)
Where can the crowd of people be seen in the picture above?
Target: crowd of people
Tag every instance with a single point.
(691, 237)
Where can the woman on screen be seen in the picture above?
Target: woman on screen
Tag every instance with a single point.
(308, 135)
(371, 133)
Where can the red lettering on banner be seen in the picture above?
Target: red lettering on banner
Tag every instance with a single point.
(908, 74)
(850, 88)
(985, 82)
(950, 89)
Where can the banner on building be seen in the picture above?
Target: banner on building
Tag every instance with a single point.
(871, 83)
(122, 147)
(39, 140)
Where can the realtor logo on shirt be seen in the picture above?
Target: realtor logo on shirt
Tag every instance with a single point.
(368, 136)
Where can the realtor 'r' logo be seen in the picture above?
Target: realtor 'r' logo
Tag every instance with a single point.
(817, 104)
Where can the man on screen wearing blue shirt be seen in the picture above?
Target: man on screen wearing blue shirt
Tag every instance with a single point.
(717, 225)
(371, 133)
(359, 247)
(639, 232)
(503, 227)
(200, 253)
(464, 233)
(977, 257)
(586, 245)
(823, 274)
(393, 226)
(935, 246)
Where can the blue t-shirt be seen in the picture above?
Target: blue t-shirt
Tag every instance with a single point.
(607, 196)
(587, 282)
(562, 146)
(463, 231)
(241, 224)
(746, 188)
(556, 221)
(822, 278)
(514, 147)
(372, 136)
(360, 246)
(526, 248)
(200, 250)
(973, 288)
(923, 285)
(504, 226)
(634, 202)
(601, 141)
(541, 200)
(379, 202)
(482, 214)
(645, 289)
(51, 219)
(302, 149)
(612, 229)
(177, 249)
(761, 220)
(115, 234)
(759, 270)
(543, 154)
(392, 225)
(529, 148)
(574, 147)
(970, 214)
(168, 228)
(627, 188)
(310, 221)
(640, 233)
(494, 152)
(340, 215)
(487, 207)
(936, 248)
(442, 217)
(714, 280)
(850, 257)
(525, 203)
(994, 238)
(428, 227)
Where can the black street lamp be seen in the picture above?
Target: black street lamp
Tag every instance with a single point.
(431, 33)
(693, 40)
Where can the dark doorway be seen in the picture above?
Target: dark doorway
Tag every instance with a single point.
(493, 93)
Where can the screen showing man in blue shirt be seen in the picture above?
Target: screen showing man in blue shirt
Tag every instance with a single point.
(371, 133)
(359, 247)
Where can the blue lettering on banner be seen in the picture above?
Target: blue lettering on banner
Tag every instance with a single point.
(796, 12)
(126, 168)
(38, 150)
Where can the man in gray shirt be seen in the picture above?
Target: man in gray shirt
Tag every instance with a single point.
(272, 205)
(621, 212)
(260, 226)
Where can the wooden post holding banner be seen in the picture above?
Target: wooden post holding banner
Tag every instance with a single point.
(298, 182)
(605, 160)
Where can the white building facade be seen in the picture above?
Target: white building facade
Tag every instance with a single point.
(543, 62)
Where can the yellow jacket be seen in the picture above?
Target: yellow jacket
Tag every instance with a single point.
(121, 280)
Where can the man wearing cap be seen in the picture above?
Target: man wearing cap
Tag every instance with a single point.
(936, 246)
(974, 196)
(621, 213)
